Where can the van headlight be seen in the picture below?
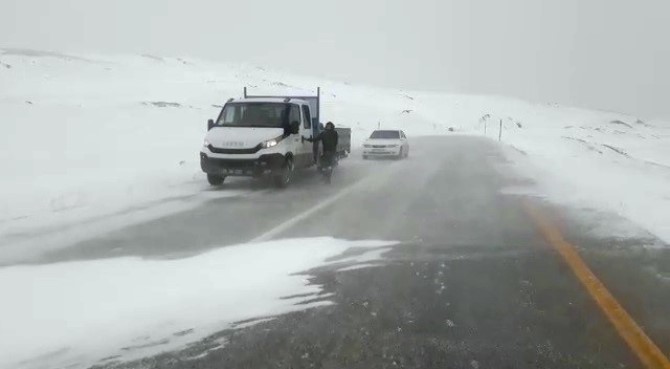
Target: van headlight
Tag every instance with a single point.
(271, 142)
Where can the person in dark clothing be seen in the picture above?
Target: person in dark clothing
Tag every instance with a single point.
(328, 139)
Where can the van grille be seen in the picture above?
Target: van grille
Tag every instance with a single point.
(217, 150)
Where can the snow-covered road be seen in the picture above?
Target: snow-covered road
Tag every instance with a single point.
(442, 265)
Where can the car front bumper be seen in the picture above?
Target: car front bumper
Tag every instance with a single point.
(381, 152)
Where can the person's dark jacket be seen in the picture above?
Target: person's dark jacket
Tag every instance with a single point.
(329, 139)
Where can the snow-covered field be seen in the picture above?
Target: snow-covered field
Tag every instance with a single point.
(88, 136)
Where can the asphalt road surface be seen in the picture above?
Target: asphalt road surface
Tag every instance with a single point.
(472, 284)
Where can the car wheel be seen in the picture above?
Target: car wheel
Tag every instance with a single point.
(215, 180)
(284, 179)
(365, 157)
(401, 154)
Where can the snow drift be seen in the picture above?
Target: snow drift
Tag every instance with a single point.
(55, 312)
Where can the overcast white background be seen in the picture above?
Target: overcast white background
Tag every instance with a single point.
(610, 55)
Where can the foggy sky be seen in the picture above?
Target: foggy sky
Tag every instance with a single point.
(610, 55)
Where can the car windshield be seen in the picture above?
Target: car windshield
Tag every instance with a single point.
(385, 135)
(254, 115)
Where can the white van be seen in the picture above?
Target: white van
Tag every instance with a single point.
(261, 135)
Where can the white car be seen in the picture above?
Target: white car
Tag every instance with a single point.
(386, 143)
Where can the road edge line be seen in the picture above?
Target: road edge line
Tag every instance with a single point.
(638, 341)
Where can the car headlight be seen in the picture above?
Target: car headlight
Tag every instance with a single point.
(394, 146)
(206, 143)
(368, 146)
(271, 142)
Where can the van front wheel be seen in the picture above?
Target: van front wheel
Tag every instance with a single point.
(283, 179)
(215, 180)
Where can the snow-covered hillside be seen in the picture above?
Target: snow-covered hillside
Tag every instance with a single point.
(88, 136)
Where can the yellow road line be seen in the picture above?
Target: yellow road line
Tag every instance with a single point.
(629, 330)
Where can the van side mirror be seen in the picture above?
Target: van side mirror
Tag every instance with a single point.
(210, 124)
(295, 127)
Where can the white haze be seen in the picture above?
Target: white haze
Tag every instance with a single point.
(610, 55)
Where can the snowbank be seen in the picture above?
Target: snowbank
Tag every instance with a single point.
(53, 312)
(593, 160)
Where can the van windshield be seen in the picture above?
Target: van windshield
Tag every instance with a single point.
(254, 115)
(385, 134)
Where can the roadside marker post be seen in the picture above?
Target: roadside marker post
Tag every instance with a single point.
(500, 131)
